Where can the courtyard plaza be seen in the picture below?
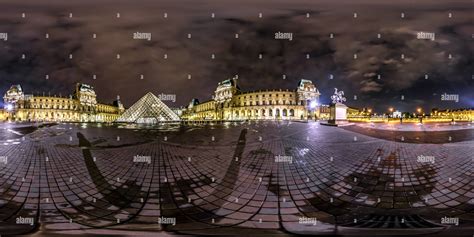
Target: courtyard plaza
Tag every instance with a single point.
(226, 179)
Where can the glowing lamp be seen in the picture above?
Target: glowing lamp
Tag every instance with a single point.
(9, 107)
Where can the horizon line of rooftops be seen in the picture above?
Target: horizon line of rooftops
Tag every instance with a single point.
(41, 97)
(72, 97)
(69, 97)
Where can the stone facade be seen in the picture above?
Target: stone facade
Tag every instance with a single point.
(80, 107)
(230, 103)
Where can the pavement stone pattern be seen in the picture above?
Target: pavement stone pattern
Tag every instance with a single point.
(234, 178)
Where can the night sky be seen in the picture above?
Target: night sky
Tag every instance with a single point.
(399, 76)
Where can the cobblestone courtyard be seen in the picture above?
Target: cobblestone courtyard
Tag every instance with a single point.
(249, 178)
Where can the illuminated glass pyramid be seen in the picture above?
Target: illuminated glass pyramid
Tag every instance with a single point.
(149, 109)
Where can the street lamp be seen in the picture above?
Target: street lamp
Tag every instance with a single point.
(391, 112)
(420, 115)
(312, 106)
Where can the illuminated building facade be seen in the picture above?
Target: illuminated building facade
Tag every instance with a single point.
(80, 107)
(230, 103)
(466, 114)
(324, 112)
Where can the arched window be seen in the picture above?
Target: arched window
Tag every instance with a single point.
(292, 112)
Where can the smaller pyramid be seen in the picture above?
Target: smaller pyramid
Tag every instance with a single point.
(149, 109)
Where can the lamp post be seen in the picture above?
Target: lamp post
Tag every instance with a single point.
(419, 114)
(312, 106)
(390, 114)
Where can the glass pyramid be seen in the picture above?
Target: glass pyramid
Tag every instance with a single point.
(149, 109)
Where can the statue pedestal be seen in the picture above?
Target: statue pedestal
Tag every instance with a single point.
(338, 114)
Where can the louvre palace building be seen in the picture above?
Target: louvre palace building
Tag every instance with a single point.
(230, 103)
(82, 106)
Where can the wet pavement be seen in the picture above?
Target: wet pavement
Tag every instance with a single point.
(414, 133)
(273, 179)
(426, 126)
